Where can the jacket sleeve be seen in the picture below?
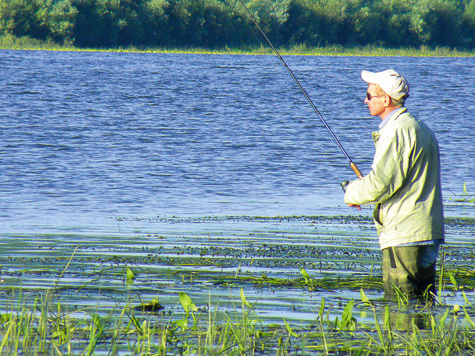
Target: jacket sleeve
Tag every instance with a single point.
(386, 177)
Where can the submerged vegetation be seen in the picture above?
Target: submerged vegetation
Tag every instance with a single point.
(235, 285)
(362, 327)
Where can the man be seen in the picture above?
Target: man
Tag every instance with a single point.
(404, 185)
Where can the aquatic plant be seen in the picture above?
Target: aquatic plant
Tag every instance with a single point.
(49, 327)
(469, 197)
(465, 197)
(156, 309)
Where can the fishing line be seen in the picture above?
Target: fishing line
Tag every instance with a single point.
(352, 164)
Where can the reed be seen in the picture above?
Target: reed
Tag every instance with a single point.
(8, 41)
(45, 326)
(465, 198)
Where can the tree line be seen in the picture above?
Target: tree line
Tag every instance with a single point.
(217, 24)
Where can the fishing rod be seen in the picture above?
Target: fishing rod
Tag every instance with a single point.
(352, 164)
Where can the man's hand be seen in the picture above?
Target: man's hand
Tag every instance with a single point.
(343, 186)
(354, 206)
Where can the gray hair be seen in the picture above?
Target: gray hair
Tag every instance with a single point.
(399, 102)
(394, 102)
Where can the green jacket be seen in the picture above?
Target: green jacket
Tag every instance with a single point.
(404, 183)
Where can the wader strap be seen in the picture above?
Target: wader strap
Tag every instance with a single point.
(391, 257)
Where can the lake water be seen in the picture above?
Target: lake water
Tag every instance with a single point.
(89, 136)
(179, 166)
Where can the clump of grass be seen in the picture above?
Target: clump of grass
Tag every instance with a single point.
(48, 327)
(9, 41)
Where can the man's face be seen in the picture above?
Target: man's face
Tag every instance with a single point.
(376, 100)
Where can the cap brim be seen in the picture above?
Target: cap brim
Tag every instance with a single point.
(370, 77)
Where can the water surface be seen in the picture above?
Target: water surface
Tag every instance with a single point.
(88, 136)
(181, 166)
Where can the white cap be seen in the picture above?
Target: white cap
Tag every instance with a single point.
(390, 81)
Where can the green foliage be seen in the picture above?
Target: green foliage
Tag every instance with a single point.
(224, 23)
(20, 18)
(196, 22)
(468, 24)
(437, 22)
(59, 19)
(348, 322)
(97, 23)
(130, 276)
(39, 19)
(44, 324)
(305, 275)
(272, 15)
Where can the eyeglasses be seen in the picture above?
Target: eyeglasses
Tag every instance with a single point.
(369, 96)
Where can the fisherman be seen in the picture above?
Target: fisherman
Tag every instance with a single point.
(404, 185)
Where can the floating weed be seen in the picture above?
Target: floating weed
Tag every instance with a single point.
(153, 306)
(35, 321)
(468, 197)
(307, 282)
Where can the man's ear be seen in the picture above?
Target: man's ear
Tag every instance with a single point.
(387, 101)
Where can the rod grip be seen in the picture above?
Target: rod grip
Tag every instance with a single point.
(356, 170)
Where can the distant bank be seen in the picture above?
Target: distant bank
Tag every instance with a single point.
(26, 43)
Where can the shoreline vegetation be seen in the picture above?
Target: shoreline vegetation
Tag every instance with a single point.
(10, 42)
(220, 23)
(128, 298)
(47, 325)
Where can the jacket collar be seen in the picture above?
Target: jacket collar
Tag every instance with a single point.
(393, 114)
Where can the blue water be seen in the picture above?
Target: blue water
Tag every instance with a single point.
(89, 136)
